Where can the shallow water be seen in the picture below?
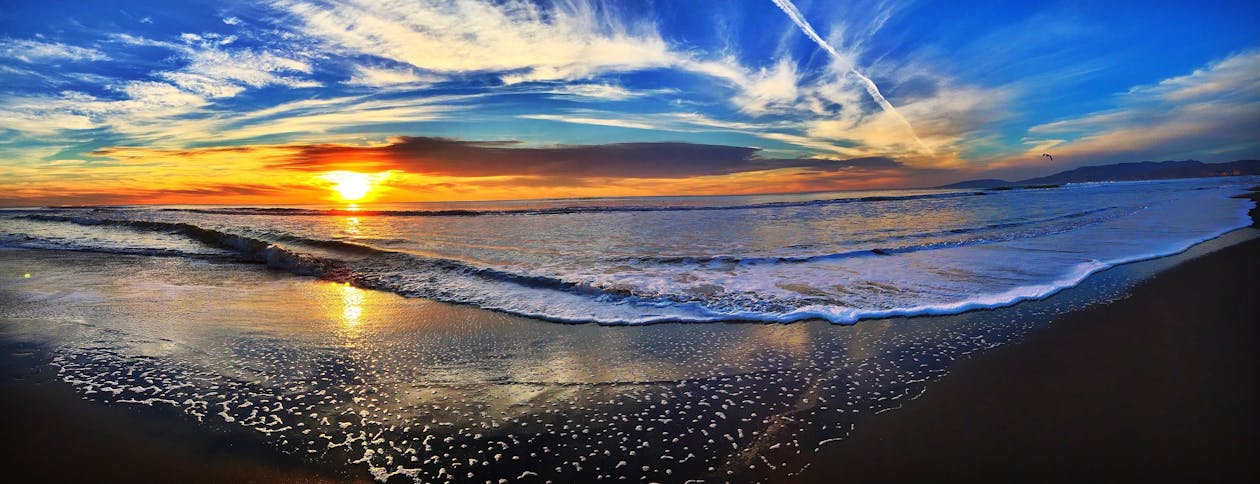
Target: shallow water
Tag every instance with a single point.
(839, 256)
(413, 389)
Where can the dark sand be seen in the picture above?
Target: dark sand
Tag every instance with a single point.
(1159, 386)
(50, 434)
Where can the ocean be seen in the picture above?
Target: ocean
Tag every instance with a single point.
(840, 256)
(420, 342)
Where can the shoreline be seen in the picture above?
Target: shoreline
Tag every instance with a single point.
(48, 422)
(1160, 384)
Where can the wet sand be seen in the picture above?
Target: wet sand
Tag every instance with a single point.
(50, 434)
(1161, 385)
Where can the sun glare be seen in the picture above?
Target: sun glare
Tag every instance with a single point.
(350, 185)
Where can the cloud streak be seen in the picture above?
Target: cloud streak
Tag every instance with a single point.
(872, 89)
(519, 40)
(33, 51)
(458, 158)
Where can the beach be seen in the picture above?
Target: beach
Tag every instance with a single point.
(1154, 385)
(1159, 385)
(179, 369)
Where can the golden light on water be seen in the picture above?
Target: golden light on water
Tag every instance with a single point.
(352, 225)
(347, 310)
(351, 305)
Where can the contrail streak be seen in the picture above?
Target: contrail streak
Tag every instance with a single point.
(871, 88)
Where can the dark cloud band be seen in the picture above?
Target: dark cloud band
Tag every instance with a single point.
(451, 157)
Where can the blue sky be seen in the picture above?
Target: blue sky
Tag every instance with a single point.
(103, 91)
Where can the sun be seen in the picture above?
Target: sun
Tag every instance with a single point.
(351, 186)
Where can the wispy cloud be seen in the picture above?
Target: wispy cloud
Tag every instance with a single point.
(526, 42)
(213, 70)
(521, 41)
(613, 122)
(871, 88)
(372, 76)
(606, 91)
(1215, 106)
(32, 51)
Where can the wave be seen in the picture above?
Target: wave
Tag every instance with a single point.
(683, 289)
(275, 255)
(1108, 212)
(41, 244)
(559, 210)
(247, 248)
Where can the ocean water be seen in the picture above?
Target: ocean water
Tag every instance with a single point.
(840, 256)
(196, 311)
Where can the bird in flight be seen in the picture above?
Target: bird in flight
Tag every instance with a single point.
(1047, 155)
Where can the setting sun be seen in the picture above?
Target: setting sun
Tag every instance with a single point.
(350, 185)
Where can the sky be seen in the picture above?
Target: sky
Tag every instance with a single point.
(276, 101)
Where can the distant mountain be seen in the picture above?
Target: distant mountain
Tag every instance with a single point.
(1146, 170)
(983, 183)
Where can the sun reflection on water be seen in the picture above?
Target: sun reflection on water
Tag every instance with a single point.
(349, 318)
(352, 227)
(352, 305)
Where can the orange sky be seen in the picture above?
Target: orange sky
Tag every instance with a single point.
(298, 174)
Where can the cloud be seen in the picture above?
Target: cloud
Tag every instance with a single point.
(605, 91)
(1209, 111)
(216, 72)
(318, 117)
(948, 116)
(613, 122)
(457, 158)
(165, 104)
(871, 89)
(135, 174)
(145, 106)
(523, 42)
(179, 105)
(599, 91)
(88, 195)
(430, 168)
(768, 90)
(758, 91)
(34, 51)
(344, 75)
(1234, 78)
(370, 76)
(519, 40)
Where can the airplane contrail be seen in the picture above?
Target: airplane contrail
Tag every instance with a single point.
(871, 88)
